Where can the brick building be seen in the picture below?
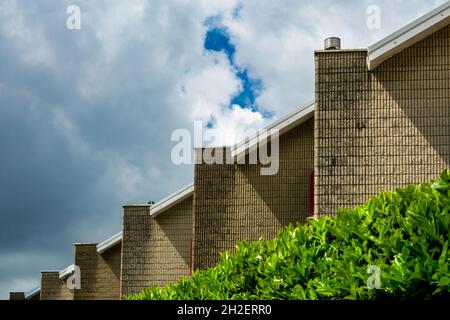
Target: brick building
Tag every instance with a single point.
(157, 242)
(380, 120)
(16, 295)
(382, 116)
(54, 287)
(234, 202)
(99, 275)
(100, 269)
(34, 294)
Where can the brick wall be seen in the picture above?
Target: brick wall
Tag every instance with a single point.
(100, 273)
(35, 297)
(156, 251)
(170, 244)
(235, 202)
(381, 129)
(53, 288)
(16, 296)
(21, 296)
(135, 249)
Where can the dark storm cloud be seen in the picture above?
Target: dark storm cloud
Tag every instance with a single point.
(64, 153)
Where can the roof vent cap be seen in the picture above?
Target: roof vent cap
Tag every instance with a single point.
(332, 43)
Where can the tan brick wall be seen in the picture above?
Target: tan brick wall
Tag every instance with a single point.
(35, 297)
(21, 296)
(382, 129)
(16, 296)
(135, 249)
(100, 273)
(53, 288)
(155, 251)
(170, 244)
(235, 202)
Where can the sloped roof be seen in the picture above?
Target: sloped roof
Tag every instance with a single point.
(171, 200)
(67, 271)
(109, 243)
(155, 210)
(31, 293)
(408, 35)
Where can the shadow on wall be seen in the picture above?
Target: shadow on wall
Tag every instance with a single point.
(283, 198)
(174, 237)
(418, 84)
(112, 257)
(100, 273)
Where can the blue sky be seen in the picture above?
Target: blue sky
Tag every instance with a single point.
(86, 115)
(217, 39)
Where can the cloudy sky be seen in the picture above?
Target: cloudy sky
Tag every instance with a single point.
(86, 115)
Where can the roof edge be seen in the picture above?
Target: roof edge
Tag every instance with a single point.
(408, 35)
(341, 50)
(109, 243)
(282, 125)
(31, 293)
(136, 205)
(171, 200)
(67, 271)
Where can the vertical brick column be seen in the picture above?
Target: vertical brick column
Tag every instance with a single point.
(381, 129)
(212, 221)
(341, 113)
(53, 288)
(17, 296)
(100, 273)
(86, 260)
(135, 274)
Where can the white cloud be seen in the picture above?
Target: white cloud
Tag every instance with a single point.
(175, 69)
(207, 92)
(237, 123)
(29, 40)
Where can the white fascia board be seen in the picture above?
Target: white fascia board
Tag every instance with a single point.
(109, 243)
(171, 200)
(30, 294)
(67, 271)
(408, 35)
(282, 125)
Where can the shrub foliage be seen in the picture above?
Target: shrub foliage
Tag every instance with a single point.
(405, 233)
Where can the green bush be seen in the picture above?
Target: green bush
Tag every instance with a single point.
(405, 233)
